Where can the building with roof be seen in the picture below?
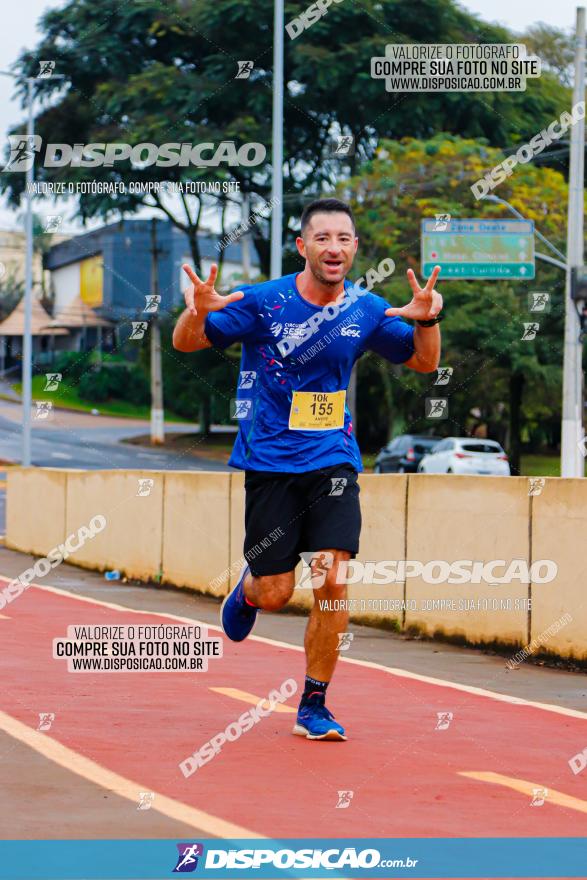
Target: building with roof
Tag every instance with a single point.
(85, 328)
(44, 338)
(109, 269)
(12, 257)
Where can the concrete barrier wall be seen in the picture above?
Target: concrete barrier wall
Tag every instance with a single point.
(35, 509)
(132, 538)
(383, 536)
(236, 526)
(559, 532)
(187, 529)
(196, 530)
(468, 518)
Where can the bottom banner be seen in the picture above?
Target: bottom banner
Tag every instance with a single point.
(555, 857)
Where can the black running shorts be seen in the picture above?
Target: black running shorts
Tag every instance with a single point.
(287, 514)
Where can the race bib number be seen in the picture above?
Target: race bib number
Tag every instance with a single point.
(317, 410)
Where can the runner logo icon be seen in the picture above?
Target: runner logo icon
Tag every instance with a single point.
(22, 151)
(321, 562)
(187, 860)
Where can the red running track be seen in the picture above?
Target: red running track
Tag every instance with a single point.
(404, 773)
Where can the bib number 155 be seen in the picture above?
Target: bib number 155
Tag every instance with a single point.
(317, 410)
(321, 406)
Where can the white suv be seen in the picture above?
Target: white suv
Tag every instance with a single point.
(466, 455)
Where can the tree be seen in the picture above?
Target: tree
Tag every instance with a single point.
(554, 46)
(11, 293)
(494, 368)
(162, 71)
(199, 387)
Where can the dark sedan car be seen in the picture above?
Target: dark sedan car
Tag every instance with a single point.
(403, 454)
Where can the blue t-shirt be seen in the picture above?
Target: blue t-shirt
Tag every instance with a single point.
(290, 345)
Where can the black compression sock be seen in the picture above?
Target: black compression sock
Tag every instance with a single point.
(312, 687)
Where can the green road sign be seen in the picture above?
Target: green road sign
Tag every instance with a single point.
(478, 248)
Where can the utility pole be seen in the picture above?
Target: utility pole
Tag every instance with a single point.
(27, 341)
(245, 238)
(157, 422)
(351, 396)
(277, 151)
(572, 462)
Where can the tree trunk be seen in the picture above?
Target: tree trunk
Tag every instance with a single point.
(195, 248)
(351, 397)
(384, 370)
(205, 416)
(221, 252)
(516, 387)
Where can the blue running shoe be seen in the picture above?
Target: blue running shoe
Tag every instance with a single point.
(237, 617)
(314, 721)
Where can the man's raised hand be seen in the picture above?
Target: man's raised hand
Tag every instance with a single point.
(201, 296)
(426, 302)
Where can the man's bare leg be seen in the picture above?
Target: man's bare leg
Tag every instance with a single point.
(321, 641)
(326, 621)
(324, 624)
(272, 592)
(269, 592)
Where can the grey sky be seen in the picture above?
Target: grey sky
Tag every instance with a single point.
(20, 30)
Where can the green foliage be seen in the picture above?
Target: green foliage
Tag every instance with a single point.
(115, 382)
(482, 334)
(164, 71)
(73, 365)
(555, 48)
(11, 293)
(202, 383)
(160, 71)
(95, 386)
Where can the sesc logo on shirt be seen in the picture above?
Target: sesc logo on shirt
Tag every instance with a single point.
(295, 331)
(351, 330)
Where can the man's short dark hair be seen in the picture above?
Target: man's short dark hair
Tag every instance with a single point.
(325, 206)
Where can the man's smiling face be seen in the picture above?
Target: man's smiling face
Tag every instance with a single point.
(329, 245)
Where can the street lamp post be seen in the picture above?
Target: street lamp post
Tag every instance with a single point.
(572, 464)
(277, 151)
(27, 342)
(571, 458)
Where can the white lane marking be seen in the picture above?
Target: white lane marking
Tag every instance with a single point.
(390, 670)
(120, 785)
(253, 699)
(524, 787)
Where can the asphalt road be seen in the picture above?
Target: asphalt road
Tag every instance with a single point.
(112, 736)
(80, 440)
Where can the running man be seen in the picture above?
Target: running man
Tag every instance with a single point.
(301, 335)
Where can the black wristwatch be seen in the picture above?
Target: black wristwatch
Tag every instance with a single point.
(432, 321)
